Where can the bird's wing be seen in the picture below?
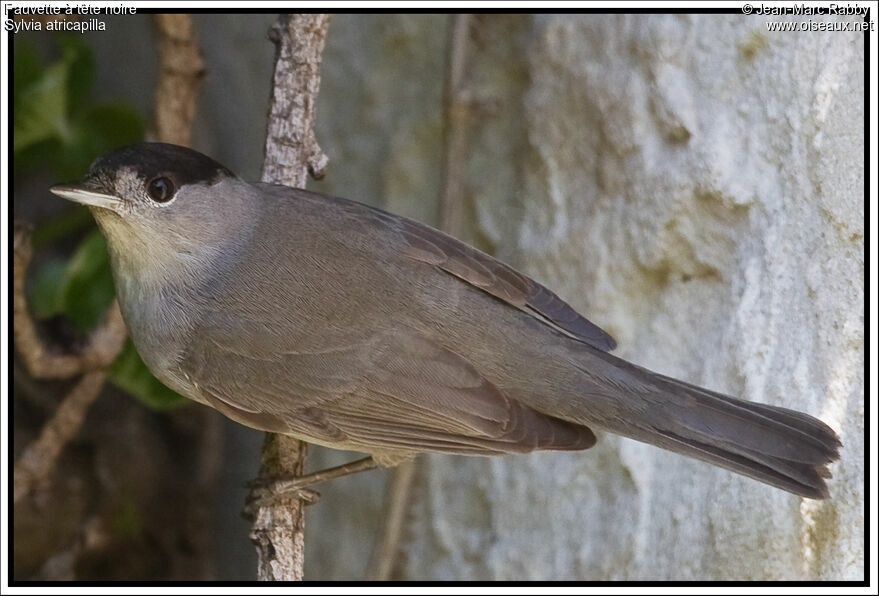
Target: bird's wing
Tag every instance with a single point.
(423, 243)
(483, 271)
(400, 392)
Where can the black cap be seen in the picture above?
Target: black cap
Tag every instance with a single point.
(149, 160)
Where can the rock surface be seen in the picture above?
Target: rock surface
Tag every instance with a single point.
(693, 184)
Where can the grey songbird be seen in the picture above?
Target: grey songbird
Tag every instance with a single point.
(346, 326)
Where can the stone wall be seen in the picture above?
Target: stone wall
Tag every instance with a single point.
(693, 184)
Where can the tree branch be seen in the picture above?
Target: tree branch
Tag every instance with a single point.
(398, 496)
(181, 68)
(45, 362)
(291, 152)
(103, 345)
(93, 535)
(38, 459)
(291, 148)
(457, 107)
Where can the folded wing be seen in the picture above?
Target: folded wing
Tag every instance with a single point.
(400, 392)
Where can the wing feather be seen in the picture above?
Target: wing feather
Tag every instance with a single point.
(402, 391)
(483, 271)
(425, 244)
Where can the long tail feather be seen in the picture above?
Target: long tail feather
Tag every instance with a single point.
(778, 446)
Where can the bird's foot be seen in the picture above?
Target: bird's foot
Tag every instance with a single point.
(263, 491)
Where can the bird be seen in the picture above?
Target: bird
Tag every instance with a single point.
(344, 325)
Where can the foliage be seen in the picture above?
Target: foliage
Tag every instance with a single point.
(58, 126)
(55, 121)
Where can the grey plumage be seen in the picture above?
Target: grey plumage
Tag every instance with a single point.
(347, 326)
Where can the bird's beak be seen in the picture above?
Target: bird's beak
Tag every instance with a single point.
(79, 194)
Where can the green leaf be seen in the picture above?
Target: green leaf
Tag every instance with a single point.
(81, 64)
(99, 129)
(40, 110)
(130, 374)
(27, 67)
(54, 121)
(72, 220)
(55, 124)
(109, 125)
(38, 154)
(44, 289)
(86, 289)
(82, 289)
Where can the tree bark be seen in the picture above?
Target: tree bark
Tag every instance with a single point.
(181, 69)
(291, 153)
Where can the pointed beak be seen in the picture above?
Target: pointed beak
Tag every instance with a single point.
(79, 194)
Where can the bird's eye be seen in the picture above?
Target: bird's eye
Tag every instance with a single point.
(161, 189)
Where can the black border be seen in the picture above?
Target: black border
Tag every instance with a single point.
(603, 10)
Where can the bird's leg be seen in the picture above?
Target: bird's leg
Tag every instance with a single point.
(268, 490)
(360, 465)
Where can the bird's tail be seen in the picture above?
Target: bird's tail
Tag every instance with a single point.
(778, 446)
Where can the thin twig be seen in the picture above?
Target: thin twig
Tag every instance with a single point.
(103, 345)
(278, 530)
(42, 361)
(38, 360)
(38, 459)
(387, 543)
(93, 535)
(456, 103)
(181, 69)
